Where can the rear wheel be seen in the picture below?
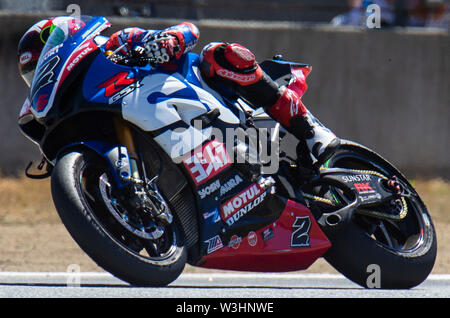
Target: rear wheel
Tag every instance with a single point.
(402, 251)
(130, 245)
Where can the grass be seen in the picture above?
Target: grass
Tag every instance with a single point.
(436, 195)
(32, 237)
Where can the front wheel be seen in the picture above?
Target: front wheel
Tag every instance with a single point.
(380, 252)
(130, 246)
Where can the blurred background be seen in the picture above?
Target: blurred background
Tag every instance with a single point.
(385, 85)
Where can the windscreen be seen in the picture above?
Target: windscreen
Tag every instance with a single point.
(63, 28)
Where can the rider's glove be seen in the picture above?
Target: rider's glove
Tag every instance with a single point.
(162, 48)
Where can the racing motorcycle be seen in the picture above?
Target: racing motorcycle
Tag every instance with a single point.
(144, 184)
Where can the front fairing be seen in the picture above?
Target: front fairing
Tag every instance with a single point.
(58, 62)
(157, 100)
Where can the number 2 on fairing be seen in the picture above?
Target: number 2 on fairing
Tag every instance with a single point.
(300, 237)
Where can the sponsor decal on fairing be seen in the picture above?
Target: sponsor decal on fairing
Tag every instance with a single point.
(216, 185)
(77, 55)
(85, 49)
(267, 234)
(212, 216)
(207, 162)
(214, 244)
(230, 184)
(206, 191)
(242, 203)
(235, 242)
(252, 239)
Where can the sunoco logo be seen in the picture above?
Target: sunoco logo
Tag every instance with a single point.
(241, 204)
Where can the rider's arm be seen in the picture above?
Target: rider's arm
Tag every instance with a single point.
(127, 39)
(186, 35)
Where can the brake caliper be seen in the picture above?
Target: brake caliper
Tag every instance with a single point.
(148, 199)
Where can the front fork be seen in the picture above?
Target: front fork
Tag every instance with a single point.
(125, 137)
(146, 195)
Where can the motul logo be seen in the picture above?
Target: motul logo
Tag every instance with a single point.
(80, 56)
(207, 162)
(363, 187)
(242, 203)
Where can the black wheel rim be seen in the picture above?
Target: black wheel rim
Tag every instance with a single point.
(405, 236)
(158, 251)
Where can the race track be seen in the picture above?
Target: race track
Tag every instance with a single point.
(215, 285)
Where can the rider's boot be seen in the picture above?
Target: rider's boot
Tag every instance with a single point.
(293, 115)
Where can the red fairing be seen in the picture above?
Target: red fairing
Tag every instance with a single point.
(298, 82)
(293, 242)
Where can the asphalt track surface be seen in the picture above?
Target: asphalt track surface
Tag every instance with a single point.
(208, 285)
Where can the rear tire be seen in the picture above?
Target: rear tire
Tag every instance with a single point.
(404, 251)
(113, 248)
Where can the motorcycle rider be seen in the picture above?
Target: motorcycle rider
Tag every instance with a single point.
(223, 64)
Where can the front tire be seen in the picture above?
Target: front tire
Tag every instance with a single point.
(75, 190)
